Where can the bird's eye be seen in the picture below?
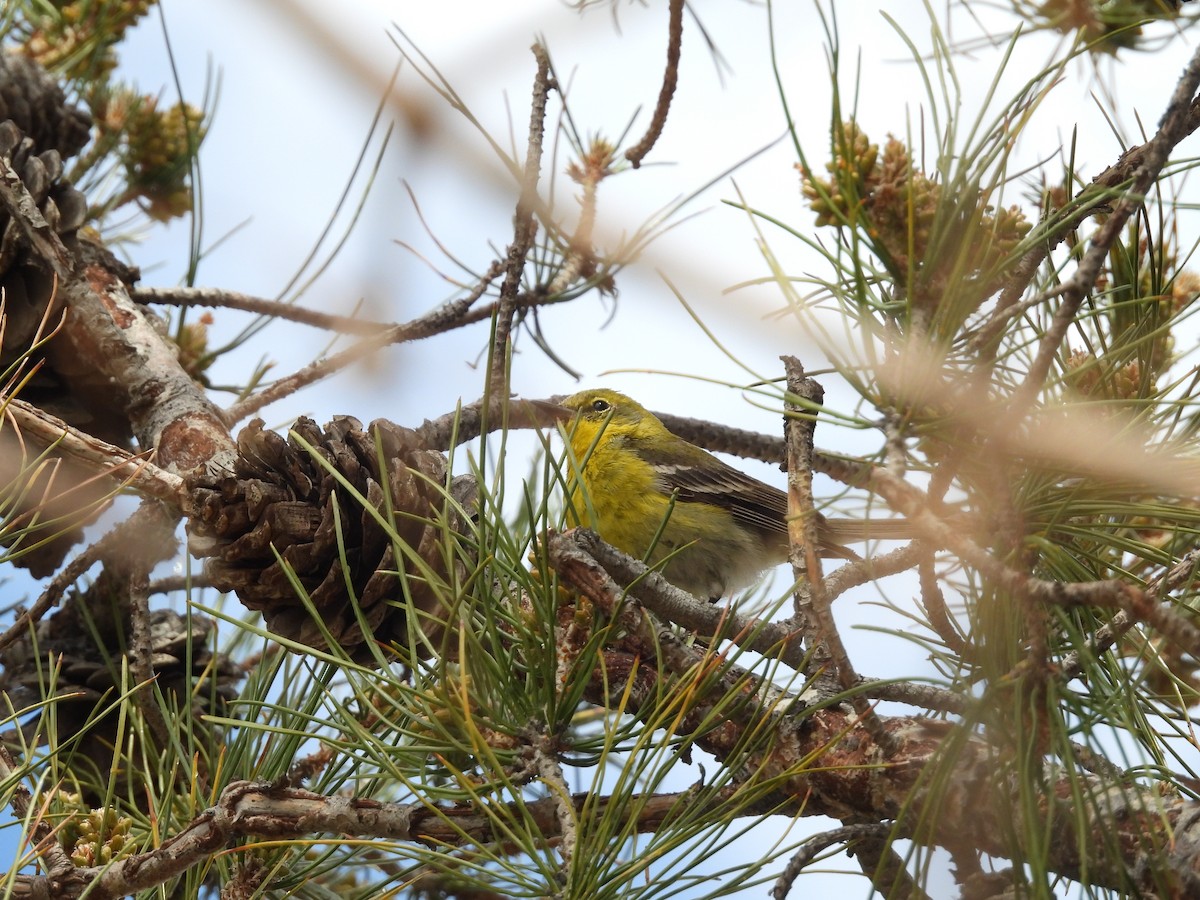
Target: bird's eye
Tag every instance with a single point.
(600, 405)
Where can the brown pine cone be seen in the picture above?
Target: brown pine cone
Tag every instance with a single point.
(25, 279)
(281, 500)
(82, 650)
(33, 308)
(37, 105)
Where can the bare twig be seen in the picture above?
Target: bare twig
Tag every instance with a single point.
(551, 774)
(813, 613)
(473, 419)
(94, 454)
(934, 604)
(658, 121)
(815, 846)
(454, 313)
(170, 583)
(722, 438)
(447, 317)
(524, 227)
(923, 696)
(863, 571)
(623, 574)
(140, 656)
(571, 554)
(217, 298)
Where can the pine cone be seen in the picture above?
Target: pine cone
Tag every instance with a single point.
(281, 500)
(91, 635)
(37, 106)
(32, 309)
(27, 282)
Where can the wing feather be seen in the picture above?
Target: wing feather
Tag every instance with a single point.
(709, 480)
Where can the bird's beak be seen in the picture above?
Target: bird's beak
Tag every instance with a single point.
(538, 413)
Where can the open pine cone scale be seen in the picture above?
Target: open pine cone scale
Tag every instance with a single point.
(280, 499)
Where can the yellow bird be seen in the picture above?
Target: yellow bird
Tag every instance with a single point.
(653, 495)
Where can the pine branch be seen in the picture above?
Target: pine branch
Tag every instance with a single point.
(112, 335)
(93, 454)
(824, 764)
(270, 812)
(1175, 126)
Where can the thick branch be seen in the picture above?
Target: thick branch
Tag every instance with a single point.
(251, 810)
(114, 339)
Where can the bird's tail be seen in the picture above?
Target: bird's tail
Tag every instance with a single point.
(853, 531)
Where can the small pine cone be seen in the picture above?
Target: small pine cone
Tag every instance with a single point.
(28, 285)
(36, 104)
(281, 500)
(85, 645)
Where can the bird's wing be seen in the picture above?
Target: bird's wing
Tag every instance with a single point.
(706, 479)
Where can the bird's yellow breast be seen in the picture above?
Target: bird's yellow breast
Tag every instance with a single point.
(614, 514)
(695, 544)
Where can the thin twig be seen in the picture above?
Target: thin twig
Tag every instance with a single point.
(453, 314)
(658, 121)
(142, 653)
(815, 846)
(934, 604)
(1183, 572)
(93, 454)
(1141, 605)
(677, 606)
(445, 318)
(169, 583)
(551, 774)
(524, 226)
(863, 571)
(216, 298)
(922, 696)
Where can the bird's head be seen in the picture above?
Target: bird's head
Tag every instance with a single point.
(589, 412)
(600, 406)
